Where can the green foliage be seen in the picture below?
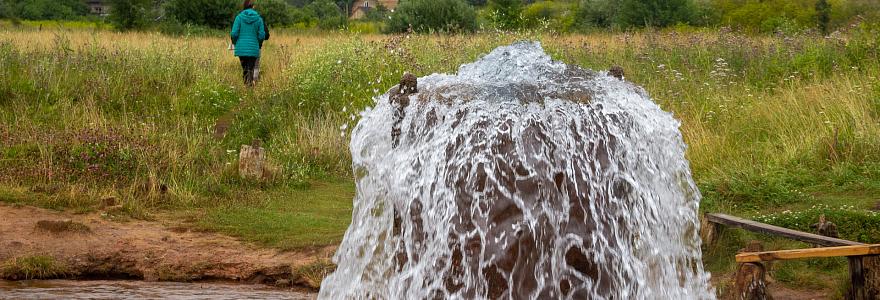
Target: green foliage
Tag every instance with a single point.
(32, 267)
(506, 14)
(276, 12)
(327, 14)
(823, 15)
(555, 15)
(45, 9)
(130, 14)
(218, 14)
(655, 13)
(852, 224)
(635, 13)
(433, 15)
(380, 13)
(767, 16)
(597, 13)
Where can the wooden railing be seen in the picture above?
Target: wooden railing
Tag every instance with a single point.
(864, 260)
(753, 226)
(845, 251)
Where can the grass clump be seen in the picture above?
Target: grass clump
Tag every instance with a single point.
(33, 267)
(58, 227)
(313, 274)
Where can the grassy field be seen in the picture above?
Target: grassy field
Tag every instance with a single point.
(780, 128)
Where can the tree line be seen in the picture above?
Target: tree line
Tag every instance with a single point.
(471, 15)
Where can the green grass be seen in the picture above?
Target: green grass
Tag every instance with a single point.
(32, 267)
(289, 219)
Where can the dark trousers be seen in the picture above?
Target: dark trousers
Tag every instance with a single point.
(248, 63)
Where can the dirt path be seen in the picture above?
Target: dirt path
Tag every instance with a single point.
(146, 250)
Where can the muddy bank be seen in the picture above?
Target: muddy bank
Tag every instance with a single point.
(88, 247)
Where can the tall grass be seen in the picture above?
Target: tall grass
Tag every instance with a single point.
(769, 119)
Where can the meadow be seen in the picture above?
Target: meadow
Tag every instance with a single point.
(774, 123)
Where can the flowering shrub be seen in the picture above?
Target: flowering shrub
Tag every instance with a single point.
(852, 224)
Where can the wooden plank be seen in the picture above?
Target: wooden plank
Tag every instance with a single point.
(778, 231)
(847, 251)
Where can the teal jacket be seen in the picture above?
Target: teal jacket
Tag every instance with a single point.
(247, 33)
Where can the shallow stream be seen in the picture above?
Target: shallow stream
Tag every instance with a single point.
(72, 289)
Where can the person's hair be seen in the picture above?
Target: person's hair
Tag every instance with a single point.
(248, 4)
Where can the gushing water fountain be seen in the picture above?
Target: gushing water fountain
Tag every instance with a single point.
(523, 178)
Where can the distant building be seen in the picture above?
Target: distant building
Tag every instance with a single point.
(98, 7)
(361, 7)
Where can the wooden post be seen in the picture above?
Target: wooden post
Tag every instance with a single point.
(871, 270)
(857, 279)
(751, 281)
(708, 231)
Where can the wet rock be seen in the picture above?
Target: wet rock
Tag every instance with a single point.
(399, 98)
(616, 72)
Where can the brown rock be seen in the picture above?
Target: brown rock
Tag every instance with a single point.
(399, 98)
(251, 161)
(617, 72)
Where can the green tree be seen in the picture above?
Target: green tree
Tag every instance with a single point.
(597, 13)
(217, 14)
(433, 15)
(130, 14)
(506, 14)
(275, 12)
(380, 13)
(329, 15)
(823, 15)
(655, 13)
(46, 9)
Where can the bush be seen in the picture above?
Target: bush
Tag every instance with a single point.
(45, 9)
(506, 14)
(276, 12)
(217, 14)
(428, 15)
(635, 13)
(378, 14)
(655, 13)
(555, 15)
(597, 13)
(766, 16)
(130, 14)
(328, 15)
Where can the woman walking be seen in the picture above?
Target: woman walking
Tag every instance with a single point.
(247, 33)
